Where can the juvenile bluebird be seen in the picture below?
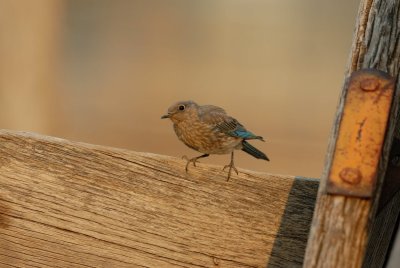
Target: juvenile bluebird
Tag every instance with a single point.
(209, 130)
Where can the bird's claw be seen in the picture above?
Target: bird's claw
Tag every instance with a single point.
(230, 166)
(193, 160)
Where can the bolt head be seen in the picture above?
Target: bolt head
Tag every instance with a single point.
(369, 84)
(350, 175)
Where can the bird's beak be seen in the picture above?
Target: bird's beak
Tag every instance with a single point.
(165, 116)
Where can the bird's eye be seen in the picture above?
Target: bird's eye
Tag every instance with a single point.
(181, 107)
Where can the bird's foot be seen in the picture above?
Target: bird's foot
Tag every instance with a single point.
(231, 166)
(188, 161)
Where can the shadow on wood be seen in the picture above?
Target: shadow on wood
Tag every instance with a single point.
(290, 242)
(70, 204)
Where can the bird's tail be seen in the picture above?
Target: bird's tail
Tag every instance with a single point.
(248, 148)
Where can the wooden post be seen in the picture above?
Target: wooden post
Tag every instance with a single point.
(345, 229)
(69, 204)
(29, 34)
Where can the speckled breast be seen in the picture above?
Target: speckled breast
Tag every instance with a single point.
(206, 139)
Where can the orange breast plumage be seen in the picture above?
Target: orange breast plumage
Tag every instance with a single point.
(204, 138)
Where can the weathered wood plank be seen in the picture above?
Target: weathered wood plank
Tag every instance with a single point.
(340, 227)
(68, 204)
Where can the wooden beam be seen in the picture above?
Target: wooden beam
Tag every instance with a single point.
(341, 225)
(69, 204)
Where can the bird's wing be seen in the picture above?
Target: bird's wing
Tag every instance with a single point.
(220, 121)
(211, 114)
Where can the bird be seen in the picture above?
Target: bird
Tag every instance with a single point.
(208, 129)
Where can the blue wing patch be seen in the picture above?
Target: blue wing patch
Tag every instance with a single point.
(242, 133)
(235, 129)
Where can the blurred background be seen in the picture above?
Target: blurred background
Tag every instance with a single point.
(103, 72)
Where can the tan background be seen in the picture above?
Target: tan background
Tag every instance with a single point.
(105, 71)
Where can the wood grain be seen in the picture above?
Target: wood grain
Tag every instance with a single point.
(341, 225)
(69, 204)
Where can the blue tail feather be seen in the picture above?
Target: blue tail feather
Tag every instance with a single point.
(248, 148)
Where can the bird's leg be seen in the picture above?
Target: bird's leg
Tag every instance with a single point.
(194, 159)
(231, 166)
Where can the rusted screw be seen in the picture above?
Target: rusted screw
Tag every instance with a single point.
(350, 175)
(370, 84)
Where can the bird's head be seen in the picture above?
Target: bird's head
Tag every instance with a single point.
(181, 111)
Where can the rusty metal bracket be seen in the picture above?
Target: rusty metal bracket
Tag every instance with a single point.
(361, 134)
